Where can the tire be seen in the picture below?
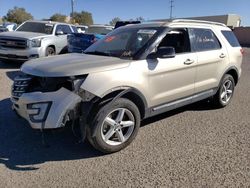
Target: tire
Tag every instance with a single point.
(115, 126)
(225, 92)
(50, 51)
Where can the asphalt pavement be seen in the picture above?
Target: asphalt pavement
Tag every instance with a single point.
(194, 146)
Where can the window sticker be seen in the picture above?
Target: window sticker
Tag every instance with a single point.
(147, 31)
(109, 39)
(127, 54)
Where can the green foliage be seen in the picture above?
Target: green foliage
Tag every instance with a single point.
(17, 15)
(58, 17)
(114, 20)
(83, 18)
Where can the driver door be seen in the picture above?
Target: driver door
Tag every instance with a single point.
(172, 79)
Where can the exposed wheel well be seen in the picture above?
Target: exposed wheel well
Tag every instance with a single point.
(132, 96)
(234, 74)
(52, 46)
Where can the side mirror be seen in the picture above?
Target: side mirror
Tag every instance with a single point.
(163, 52)
(59, 32)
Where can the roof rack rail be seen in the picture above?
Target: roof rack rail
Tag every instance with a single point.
(198, 21)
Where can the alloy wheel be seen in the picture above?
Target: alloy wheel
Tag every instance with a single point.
(118, 126)
(227, 91)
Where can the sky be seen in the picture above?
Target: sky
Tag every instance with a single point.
(104, 10)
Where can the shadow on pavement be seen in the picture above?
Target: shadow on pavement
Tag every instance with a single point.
(21, 147)
(198, 106)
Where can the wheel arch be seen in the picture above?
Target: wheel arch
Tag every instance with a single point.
(233, 71)
(132, 94)
(51, 45)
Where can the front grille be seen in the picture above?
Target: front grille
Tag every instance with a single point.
(14, 43)
(20, 86)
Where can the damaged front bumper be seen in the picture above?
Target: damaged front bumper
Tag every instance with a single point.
(46, 110)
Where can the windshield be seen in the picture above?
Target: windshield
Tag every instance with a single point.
(99, 30)
(123, 43)
(37, 27)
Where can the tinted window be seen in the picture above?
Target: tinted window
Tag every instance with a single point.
(36, 27)
(178, 39)
(231, 38)
(99, 30)
(74, 29)
(64, 28)
(204, 40)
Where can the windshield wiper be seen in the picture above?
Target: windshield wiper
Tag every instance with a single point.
(98, 53)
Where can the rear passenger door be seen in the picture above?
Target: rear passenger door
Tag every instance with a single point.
(211, 55)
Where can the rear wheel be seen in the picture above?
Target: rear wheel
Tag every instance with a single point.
(50, 51)
(115, 126)
(225, 93)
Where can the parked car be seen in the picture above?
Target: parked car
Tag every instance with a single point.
(123, 23)
(135, 72)
(10, 26)
(81, 28)
(3, 29)
(34, 39)
(78, 42)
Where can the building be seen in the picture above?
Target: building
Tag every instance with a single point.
(231, 20)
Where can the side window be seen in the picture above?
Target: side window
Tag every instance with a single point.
(231, 38)
(204, 40)
(178, 39)
(64, 28)
(74, 29)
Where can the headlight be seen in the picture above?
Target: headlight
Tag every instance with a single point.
(35, 43)
(38, 112)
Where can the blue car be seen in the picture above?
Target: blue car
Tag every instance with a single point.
(78, 42)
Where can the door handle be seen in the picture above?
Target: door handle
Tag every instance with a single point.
(222, 55)
(188, 62)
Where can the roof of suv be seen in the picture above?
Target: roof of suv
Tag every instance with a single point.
(184, 22)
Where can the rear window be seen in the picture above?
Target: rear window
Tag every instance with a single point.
(231, 38)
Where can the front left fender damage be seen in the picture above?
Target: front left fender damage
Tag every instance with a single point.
(62, 101)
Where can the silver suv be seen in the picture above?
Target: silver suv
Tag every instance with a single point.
(135, 72)
(34, 39)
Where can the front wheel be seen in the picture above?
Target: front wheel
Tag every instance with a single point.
(115, 126)
(225, 93)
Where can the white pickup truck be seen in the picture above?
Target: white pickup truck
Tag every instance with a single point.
(34, 39)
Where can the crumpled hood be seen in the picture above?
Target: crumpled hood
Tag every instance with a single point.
(72, 65)
(21, 34)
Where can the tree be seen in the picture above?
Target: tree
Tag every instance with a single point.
(141, 19)
(114, 20)
(83, 18)
(58, 17)
(17, 15)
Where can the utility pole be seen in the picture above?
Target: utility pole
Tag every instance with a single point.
(72, 9)
(171, 9)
